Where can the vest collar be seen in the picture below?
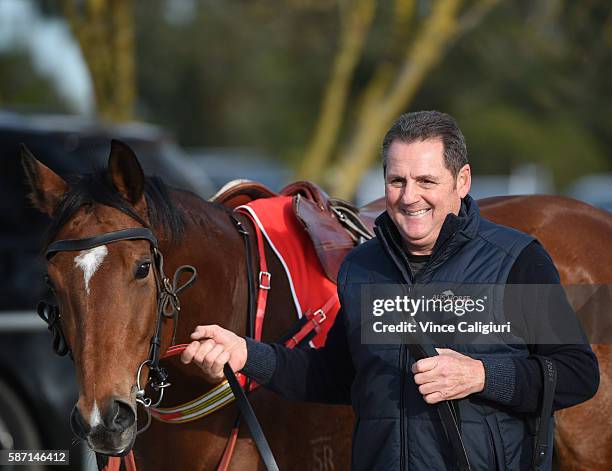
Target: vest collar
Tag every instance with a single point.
(455, 232)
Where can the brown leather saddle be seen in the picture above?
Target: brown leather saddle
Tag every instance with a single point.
(333, 225)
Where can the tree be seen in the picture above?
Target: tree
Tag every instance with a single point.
(105, 32)
(390, 90)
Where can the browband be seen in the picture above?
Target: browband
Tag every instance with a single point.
(134, 233)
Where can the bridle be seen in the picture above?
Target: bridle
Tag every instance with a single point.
(168, 305)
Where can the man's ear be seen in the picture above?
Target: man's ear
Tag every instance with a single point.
(464, 180)
(46, 187)
(125, 173)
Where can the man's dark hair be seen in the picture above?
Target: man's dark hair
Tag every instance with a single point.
(422, 125)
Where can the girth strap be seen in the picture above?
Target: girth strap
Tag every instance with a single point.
(263, 278)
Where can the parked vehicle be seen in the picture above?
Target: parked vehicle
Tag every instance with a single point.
(37, 388)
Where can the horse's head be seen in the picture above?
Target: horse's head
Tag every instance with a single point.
(106, 294)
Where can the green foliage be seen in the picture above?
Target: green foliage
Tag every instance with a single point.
(237, 73)
(22, 87)
(501, 137)
(530, 84)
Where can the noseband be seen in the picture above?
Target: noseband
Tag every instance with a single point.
(168, 305)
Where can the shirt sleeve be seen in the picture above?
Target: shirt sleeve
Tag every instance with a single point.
(517, 382)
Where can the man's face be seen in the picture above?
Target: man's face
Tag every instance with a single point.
(420, 191)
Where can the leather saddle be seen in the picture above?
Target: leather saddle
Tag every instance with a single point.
(333, 225)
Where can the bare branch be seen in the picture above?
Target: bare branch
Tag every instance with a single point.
(426, 50)
(357, 25)
(474, 16)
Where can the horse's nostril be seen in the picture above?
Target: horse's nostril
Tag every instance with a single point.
(121, 416)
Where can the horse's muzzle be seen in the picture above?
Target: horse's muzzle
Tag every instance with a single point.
(114, 435)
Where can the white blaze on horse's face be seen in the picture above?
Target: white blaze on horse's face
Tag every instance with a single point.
(95, 418)
(89, 261)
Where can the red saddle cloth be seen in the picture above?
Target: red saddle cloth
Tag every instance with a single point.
(310, 288)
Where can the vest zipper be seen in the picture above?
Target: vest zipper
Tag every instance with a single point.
(434, 255)
(403, 439)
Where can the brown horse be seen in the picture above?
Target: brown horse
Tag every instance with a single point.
(579, 240)
(109, 335)
(107, 302)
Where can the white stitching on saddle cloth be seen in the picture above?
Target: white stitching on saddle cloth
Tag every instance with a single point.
(89, 261)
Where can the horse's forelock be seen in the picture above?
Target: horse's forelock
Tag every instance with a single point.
(164, 216)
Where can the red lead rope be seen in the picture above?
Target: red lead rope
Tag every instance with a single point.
(114, 462)
(175, 350)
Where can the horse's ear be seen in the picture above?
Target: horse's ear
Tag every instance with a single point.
(125, 172)
(47, 187)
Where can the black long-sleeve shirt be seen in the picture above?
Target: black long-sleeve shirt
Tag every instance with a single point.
(326, 374)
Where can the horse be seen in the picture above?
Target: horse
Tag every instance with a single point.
(107, 299)
(577, 236)
(109, 335)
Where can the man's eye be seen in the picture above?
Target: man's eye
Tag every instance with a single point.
(143, 270)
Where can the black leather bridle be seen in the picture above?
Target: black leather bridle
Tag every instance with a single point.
(168, 305)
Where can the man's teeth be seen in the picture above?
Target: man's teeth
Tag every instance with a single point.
(416, 213)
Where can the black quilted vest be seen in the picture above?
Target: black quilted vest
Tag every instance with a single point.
(395, 428)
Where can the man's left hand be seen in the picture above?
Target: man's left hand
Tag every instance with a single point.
(449, 375)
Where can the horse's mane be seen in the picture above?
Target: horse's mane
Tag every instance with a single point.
(96, 187)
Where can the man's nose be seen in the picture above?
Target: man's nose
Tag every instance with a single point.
(410, 194)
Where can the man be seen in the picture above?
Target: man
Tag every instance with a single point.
(431, 232)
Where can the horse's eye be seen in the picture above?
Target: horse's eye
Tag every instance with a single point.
(143, 270)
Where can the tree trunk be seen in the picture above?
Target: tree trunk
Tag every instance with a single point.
(105, 32)
(355, 29)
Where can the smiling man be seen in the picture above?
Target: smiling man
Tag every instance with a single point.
(420, 191)
(431, 232)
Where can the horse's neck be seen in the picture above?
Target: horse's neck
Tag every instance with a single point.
(213, 246)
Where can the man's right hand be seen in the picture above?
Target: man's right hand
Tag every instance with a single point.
(212, 348)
